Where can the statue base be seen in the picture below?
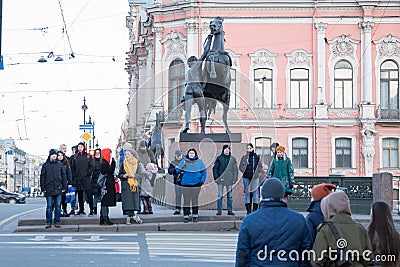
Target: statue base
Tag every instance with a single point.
(215, 137)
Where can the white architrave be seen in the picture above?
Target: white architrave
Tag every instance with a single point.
(174, 48)
(236, 66)
(343, 48)
(299, 58)
(263, 58)
(387, 48)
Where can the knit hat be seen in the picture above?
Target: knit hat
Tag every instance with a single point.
(322, 190)
(272, 188)
(335, 203)
(52, 152)
(281, 148)
(178, 152)
(81, 143)
(142, 143)
(274, 145)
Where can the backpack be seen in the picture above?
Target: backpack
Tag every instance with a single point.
(101, 180)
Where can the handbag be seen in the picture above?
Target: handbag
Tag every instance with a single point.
(70, 195)
(342, 258)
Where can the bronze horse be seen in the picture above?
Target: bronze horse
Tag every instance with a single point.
(217, 75)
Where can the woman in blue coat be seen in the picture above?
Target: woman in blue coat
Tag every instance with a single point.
(193, 178)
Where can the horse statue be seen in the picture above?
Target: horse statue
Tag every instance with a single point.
(157, 142)
(216, 73)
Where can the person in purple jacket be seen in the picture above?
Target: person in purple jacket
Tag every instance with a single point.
(193, 178)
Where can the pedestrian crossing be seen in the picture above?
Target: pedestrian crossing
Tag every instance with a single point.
(188, 247)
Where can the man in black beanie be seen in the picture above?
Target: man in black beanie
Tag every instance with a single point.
(225, 171)
(272, 228)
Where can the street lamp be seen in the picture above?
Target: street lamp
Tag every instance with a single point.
(84, 108)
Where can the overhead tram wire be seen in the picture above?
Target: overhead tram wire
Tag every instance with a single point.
(65, 28)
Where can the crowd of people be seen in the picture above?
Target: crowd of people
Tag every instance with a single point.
(270, 225)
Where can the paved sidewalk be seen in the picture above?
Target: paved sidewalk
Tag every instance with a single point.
(162, 220)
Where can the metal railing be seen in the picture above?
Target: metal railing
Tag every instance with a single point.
(358, 189)
(396, 194)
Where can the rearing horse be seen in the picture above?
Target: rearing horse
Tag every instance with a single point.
(157, 141)
(217, 73)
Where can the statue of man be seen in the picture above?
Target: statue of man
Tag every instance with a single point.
(194, 87)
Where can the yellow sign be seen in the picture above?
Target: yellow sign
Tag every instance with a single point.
(86, 136)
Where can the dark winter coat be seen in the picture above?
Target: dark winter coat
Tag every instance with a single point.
(95, 176)
(172, 169)
(276, 227)
(109, 199)
(82, 168)
(315, 217)
(225, 169)
(250, 165)
(130, 200)
(53, 178)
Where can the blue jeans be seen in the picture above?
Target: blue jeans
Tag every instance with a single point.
(228, 196)
(95, 200)
(254, 189)
(56, 201)
(178, 197)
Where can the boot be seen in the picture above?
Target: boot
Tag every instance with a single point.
(150, 208)
(248, 208)
(107, 221)
(255, 207)
(145, 207)
(101, 220)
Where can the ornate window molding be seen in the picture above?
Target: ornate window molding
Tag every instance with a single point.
(174, 46)
(297, 59)
(343, 48)
(263, 59)
(387, 48)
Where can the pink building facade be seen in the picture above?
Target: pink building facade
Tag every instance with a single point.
(319, 77)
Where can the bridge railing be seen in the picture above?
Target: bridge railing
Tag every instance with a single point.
(358, 189)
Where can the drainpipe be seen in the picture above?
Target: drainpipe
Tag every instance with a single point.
(314, 126)
(199, 35)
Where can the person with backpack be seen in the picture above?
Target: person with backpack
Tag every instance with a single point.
(281, 167)
(341, 233)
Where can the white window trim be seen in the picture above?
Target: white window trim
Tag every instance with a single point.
(236, 66)
(378, 64)
(353, 151)
(310, 152)
(352, 58)
(263, 58)
(166, 75)
(294, 63)
(381, 137)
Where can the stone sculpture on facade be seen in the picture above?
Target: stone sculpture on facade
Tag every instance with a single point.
(368, 148)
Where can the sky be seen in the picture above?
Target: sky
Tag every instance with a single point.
(40, 103)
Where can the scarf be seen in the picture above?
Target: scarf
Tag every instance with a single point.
(130, 167)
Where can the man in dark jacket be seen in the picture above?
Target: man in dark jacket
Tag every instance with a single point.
(53, 182)
(315, 216)
(225, 171)
(274, 235)
(82, 168)
(178, 189)
(251, 166)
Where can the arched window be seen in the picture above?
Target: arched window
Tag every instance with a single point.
(389, 89)
(176, 83)
(263, 88)
(343, 95)
(300, 153)
(343, 152)
(299, 88)
(390, 148)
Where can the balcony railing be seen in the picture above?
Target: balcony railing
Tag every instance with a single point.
(388, 114)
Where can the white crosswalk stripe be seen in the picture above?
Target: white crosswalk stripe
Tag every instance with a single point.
(198, 247)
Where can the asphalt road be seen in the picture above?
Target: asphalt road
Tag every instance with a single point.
(175, 249)
(119, 249)
(10, 213)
